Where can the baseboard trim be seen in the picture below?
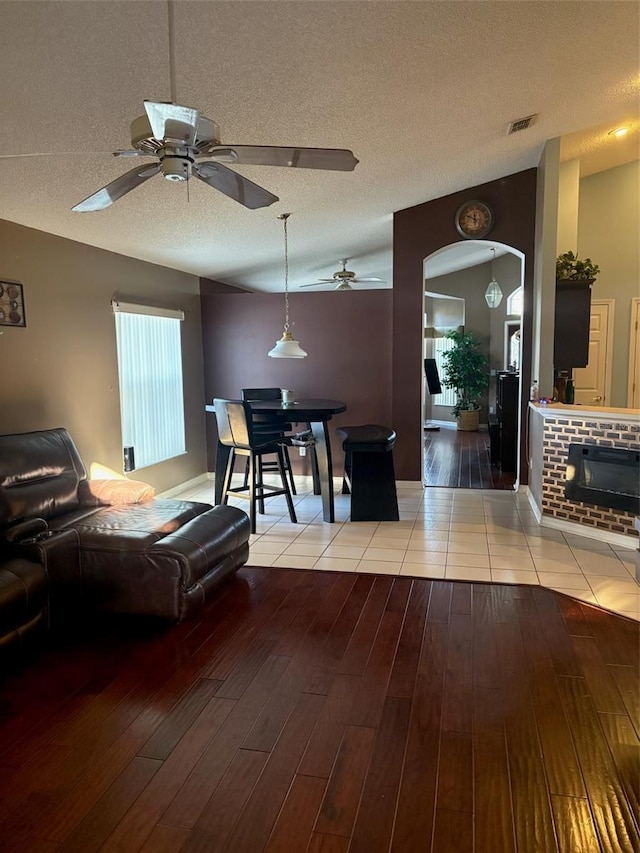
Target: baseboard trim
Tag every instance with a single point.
(183, 487)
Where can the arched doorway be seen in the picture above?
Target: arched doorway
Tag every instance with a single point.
(418, 232)
(456, 277)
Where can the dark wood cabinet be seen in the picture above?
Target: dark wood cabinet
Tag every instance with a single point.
(572, 321)
(508, 387)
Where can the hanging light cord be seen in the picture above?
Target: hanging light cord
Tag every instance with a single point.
(172, 51)
(284, 217)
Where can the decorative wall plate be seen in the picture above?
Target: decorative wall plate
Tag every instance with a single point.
(11, 304)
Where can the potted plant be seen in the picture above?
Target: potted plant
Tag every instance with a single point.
(571, 268)
(466, 371)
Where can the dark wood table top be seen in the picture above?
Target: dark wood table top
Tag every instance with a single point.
(300, 410)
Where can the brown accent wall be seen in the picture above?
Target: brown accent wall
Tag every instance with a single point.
(418, 232)
(62, 370)
(348, 338)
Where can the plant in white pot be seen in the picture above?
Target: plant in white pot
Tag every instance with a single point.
(466, 371)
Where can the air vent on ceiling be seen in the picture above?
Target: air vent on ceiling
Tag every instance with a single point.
(521, 124)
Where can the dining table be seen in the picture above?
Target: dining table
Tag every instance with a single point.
(317, 413)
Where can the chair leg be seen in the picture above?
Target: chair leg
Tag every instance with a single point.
(252, 492)
(288, 468)
(260, 483)
(285, 485)
(228, 474)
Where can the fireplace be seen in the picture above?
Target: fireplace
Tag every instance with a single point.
(603, 476)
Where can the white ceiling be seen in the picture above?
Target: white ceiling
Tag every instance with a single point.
(422, 92)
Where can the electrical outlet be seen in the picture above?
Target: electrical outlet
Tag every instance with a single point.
(303, 451)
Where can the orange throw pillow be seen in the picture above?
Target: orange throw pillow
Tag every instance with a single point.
(120, 491)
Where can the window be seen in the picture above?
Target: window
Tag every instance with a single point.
(150, 376)
(514, 303)
(448, 396)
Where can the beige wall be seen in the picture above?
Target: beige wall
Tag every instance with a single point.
(544, 268)
(568, 199)
(608, 229)
(61, 370)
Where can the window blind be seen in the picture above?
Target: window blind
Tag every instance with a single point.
(151, 386)
(448, 396)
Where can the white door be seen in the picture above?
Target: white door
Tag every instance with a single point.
(593, 382)
(634, 350)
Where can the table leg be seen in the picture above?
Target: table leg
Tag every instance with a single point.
(323, 454)
(222, 459)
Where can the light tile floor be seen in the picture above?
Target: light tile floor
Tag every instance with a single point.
(456, 534)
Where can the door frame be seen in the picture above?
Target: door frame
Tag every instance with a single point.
(523, 342)
(634, 344)
(608, 367)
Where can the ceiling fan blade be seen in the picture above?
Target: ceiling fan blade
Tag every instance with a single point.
(130, 152)
(339, 159)
(358, 279)
(172, 121)
(116, 189)
(53, 154)
(233, 185)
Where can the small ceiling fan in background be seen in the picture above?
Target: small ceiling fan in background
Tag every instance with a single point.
(344, 279)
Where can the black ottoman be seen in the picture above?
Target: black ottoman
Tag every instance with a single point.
(368, 472)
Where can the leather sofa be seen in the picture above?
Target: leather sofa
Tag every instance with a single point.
(157, 558)
(24, 611)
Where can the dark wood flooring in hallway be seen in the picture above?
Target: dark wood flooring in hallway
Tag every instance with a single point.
(322, 712)
(457, 459)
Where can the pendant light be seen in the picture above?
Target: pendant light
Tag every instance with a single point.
(286, 347)
(493, 293)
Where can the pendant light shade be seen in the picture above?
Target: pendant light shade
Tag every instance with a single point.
(286, 347)
(493, 293)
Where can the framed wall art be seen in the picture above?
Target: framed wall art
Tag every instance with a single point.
(12, 304)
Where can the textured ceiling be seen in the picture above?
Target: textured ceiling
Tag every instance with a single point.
(422, 92)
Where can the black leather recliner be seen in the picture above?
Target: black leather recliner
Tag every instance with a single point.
(160, 558)
(24, 612)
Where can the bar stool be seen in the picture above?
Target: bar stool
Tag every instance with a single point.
(369, 473)
(235, 430)
(276, 423)
(271, 427)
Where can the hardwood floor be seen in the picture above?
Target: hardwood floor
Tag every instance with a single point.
(326, 712)
(458, 459)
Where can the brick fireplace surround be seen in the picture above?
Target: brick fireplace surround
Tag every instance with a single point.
(552, 429)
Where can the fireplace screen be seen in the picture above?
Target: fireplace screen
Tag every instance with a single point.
(604, 476)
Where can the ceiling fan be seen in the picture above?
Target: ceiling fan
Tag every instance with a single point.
(179, 137)
(343, 279)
